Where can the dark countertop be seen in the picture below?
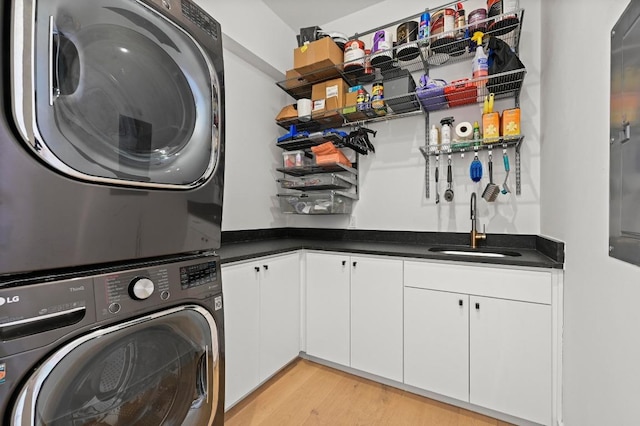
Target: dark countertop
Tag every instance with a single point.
(534, 251)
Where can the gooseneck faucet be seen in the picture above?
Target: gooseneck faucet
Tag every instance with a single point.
(475, 235)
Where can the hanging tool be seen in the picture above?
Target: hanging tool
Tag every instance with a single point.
(475, 169)
(505, 159)
(448, 194)
(492, 190)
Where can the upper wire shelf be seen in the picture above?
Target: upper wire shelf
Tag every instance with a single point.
(435, 51)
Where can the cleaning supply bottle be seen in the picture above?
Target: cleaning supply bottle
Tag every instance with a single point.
(445, 133)
(476, 134)
(479, 65)
(434, 139)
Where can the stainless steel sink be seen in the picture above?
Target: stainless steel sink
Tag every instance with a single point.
(478, 252)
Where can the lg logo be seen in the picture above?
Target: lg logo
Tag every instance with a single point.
(13, 299)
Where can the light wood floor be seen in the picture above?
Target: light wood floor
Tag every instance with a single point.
(306, 393)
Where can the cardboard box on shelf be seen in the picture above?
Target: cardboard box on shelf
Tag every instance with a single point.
(288, 112)
(318, 60)
(490, 126)
(350, 110)
(328, 96)
(510, 122)
(294, 79)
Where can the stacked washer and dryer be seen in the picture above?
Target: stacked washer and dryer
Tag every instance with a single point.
(111, 184)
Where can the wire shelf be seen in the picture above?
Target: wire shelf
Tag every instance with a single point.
(472, 91)
(473, 146)
(316, 168)
(435, 51)
(312, 140)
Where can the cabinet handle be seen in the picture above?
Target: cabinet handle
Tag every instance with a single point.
(477, 306)
(266, 267)
(354, 264)
(256, 268)
(460, 302)
(344, 262)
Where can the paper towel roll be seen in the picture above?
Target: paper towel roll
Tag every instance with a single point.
(464, 131)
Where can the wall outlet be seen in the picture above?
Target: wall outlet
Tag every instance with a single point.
(352, 222)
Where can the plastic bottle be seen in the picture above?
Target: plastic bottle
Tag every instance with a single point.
(479, 65)
(445, 133)
(434, 139)
(476, 133)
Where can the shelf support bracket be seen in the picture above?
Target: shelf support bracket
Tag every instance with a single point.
(427, 172)
(518, 169)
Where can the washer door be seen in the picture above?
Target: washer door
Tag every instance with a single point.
(158, 370)
(112, 91)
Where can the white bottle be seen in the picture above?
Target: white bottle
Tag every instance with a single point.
(434, 139)
(445, 134)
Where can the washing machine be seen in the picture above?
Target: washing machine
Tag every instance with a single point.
(119, 347)
(111, 132)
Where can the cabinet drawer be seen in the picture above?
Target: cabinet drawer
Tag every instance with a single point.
(514, 284)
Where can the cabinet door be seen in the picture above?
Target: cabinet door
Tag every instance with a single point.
(510, 357)
(436, 342)
(279, 313)
(376, 316)
(241, 323)
(328, 307)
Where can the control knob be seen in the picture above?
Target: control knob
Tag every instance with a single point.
(141, 288)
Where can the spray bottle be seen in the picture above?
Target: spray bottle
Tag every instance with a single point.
(479, 65)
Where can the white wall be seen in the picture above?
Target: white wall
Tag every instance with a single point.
(602, 319)
(392, 189)
(252, 102)
(257, 46)
(253, 25)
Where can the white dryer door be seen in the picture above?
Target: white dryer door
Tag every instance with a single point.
(157, 370)
(113, 91)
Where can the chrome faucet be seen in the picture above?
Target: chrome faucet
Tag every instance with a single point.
(475, 235)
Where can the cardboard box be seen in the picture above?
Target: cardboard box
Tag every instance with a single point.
(350, 110)
(287, 113)
(490, 127)
(510, 122)
(327, 97)
(318, 60)
(294, 79)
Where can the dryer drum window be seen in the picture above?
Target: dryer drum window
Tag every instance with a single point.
(157, 372)
(121, 94)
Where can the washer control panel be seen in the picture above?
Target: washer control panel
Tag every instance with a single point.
(198, 16)
(131, 290)
(198, 275)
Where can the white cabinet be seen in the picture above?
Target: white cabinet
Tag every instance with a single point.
(376, 316)
(510, 357)
(279, 313)
(241, 329)
(327, 313)
(436, 341)
(262, 321)
(495, 352)
(354, 312)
